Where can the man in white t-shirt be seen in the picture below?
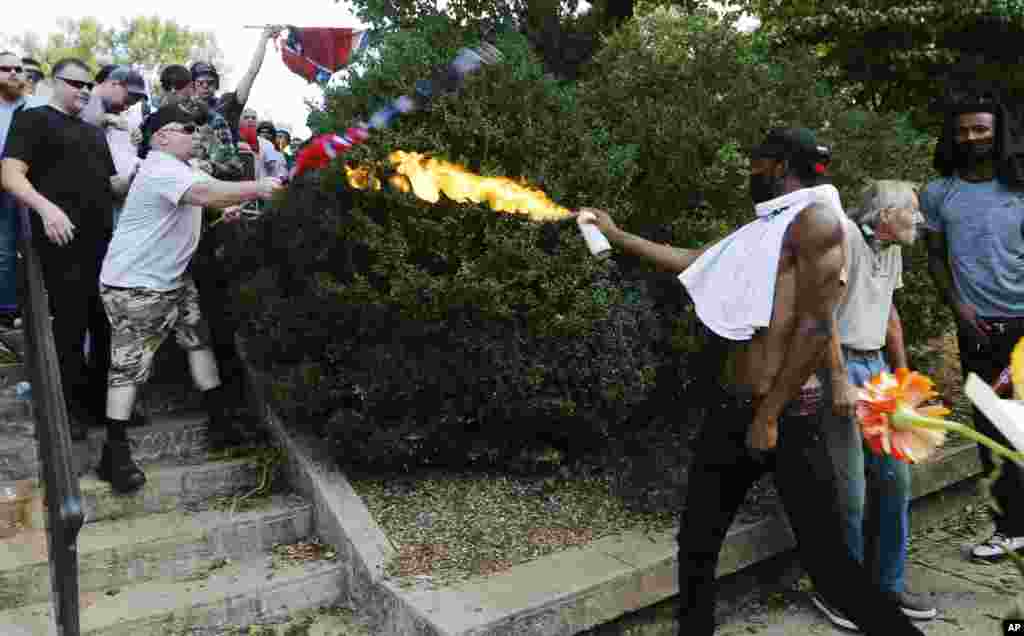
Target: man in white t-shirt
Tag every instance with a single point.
(871, 335)
(144, 284)
(272, 158)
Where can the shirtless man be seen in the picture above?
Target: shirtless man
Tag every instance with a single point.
(759, 376)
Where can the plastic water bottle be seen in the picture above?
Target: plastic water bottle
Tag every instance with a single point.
(1003, 386)
(23, 390)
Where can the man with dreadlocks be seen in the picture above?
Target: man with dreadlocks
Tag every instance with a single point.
(975, 216)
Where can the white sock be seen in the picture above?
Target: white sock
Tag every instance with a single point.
(203, 365)
(120, 400)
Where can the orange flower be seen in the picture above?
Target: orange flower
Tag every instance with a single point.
(892, 419)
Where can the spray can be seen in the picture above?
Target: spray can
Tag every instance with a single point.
(597, 242)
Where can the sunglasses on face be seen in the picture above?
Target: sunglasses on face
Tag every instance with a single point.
(206, 83)
(16, 70)
(188, 129)
(78, 84)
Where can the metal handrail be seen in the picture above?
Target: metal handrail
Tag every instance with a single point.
(64, 514)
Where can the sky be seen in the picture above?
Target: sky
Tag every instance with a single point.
(278, 93)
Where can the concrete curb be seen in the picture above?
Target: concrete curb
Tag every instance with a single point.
(341, 518)
(559, 595)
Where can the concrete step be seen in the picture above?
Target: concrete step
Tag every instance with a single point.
(168, 488)
(169, 546)
(169, 438)
(175, 438)
(237, 595)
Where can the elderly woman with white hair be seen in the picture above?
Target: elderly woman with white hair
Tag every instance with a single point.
(871, 335)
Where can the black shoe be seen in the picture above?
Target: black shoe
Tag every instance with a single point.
(913, 605)
(118, 467)
(833, 613)
(138, 419)
(222, 430)
(220, 437)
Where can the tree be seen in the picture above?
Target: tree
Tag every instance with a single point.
(887, 55)
(147, 43)
(564, 37)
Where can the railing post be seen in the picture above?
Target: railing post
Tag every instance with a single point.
(64, 514)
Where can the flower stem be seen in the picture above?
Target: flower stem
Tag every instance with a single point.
(935, 423)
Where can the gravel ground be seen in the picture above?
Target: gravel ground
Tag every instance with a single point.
(448, 527)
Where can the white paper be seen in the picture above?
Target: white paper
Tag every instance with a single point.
(1005, 415)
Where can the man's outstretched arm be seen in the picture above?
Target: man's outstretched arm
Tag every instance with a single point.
(816, 237)
(666, 257)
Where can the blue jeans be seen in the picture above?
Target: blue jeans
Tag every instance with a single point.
(874, 490)
(8, 254)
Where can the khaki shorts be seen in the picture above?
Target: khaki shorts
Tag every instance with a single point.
(140, 321)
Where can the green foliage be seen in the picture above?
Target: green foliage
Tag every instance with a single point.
(888, 54)
(405, 332)
(146, 42)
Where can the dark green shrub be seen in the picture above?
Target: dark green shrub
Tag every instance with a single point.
(405, 332)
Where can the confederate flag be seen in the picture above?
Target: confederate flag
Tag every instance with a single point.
(316, 54)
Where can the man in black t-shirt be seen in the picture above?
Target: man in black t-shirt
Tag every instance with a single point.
(61, 168)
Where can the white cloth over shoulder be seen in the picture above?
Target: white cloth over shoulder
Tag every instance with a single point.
(733, 283)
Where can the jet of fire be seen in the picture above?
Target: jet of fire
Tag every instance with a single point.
(428, 178)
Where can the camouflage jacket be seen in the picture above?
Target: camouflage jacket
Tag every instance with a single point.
(220, 150)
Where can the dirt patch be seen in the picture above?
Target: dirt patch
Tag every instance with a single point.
(449, 527)
(301, 552)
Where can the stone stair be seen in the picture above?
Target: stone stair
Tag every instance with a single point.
(200, 550)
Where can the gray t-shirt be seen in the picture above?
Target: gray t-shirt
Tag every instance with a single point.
(157, 234)
(873, 273)
(984, 228)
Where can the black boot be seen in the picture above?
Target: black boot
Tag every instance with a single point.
(221, 430)
(79, 429)
(117, 467)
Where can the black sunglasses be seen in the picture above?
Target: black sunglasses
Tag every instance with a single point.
(79, 84)
(188, 129)
(17, 70)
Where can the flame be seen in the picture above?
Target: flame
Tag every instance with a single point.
(361, 178)
(1017, 370)
(428, 178)
(398, 182)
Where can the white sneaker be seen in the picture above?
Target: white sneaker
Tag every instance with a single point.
(838, 618)
(996, 547)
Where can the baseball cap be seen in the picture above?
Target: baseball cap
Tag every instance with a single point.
(199, 69)
(799, 144)
(186, 112)
(131, 79)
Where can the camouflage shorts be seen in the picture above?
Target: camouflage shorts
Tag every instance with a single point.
(140, 321)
